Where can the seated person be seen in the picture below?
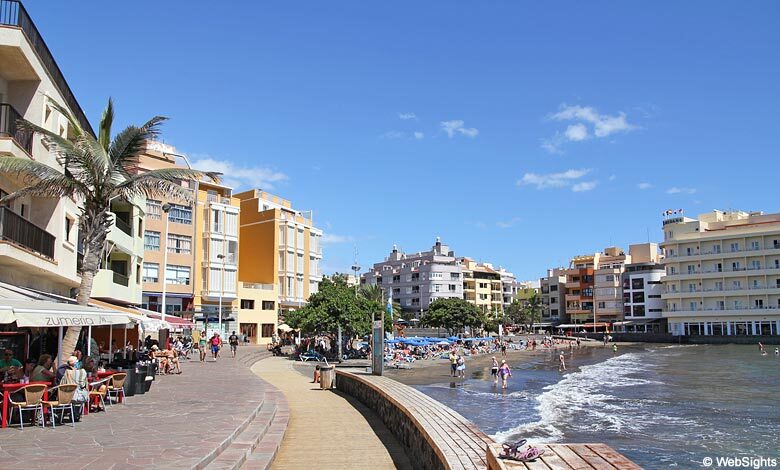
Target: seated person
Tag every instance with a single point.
(43, 372)
(8, 361)
(175, 368)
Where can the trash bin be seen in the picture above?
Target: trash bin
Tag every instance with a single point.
(149, 378)
(327, 377)
(132, 376)
(141, 370)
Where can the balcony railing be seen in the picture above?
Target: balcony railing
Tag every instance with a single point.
(9, 128)
(16, 229)
(121, 279)
(123, 226)
(13, 13)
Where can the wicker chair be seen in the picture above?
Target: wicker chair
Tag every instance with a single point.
(32, 400)
(63, 402)
(95, 393)
(116, 387)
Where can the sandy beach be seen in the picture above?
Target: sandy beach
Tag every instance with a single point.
(430, 371)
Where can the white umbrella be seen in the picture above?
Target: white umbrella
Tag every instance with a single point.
(284, 327)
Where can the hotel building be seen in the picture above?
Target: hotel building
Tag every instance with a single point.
(608, 296)
(38, 236)
(722, 274)
(279, 269)
(417, 279)
(642, 290)
(578, 289)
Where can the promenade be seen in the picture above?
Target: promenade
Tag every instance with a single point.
(328, 429)
(213, 415)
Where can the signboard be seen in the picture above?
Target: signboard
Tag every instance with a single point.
(377, 347)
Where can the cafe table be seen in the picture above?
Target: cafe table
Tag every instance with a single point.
(9, 388)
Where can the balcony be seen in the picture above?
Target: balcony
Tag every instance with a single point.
(13, 13)
(255, 285)
(15, 229)
(9, 118)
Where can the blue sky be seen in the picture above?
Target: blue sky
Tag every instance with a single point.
(522, 133)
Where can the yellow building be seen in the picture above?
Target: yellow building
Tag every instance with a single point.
(482, 286)
(284, 256)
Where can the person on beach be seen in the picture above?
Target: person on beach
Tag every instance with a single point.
(777, 351)
(461, 366)
(494, 370)
(578, 343)
(504, 372)
(503, 349)
(562, 363)
(215, 342)
(614, 348)
(761, 349)
(453, 364)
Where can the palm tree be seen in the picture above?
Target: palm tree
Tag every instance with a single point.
(95, 172)
(374, 293)
(533, 308)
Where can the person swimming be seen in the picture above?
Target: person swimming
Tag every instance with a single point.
(614, 348)
(777, 351)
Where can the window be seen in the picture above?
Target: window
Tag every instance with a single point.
(437, 275)
(247, 304)
(755, 264)
(602, 305)
(718, 285)
(151, 241)
(691, 269)
(415, 290)
(266, 330)
(151, 272)
(610, 277)
(734, 247)
(716, 249)
(483, 285)
(180, 214)
(436, 287)
(736, 285)
(300, 263)
(553, 300)
(416, 301)
(268, 305)
(758, 303)
(454, 276)
(415, 276)
(68, 228)
(639, 310)
(396, 279)
(653, 296)
(754, 245)
(692, 306)
(217, 220)
(177, 275)
(553, 287)
(153, 209)
(452, 287)
(735, 266)
(181, 244)
(397, 291)
(638, 297)
(637, 283)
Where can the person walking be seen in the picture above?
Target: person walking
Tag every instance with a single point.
(505, 372)
(461, 366)
(494, 370)
(562, 362)
(215, 343)
(453, 364)
(202, 344)
(233, 341)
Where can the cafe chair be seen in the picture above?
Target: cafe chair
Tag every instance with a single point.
(98, 393)
(33, 395)
(116, 387)
(63, 402)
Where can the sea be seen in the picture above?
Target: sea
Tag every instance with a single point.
(663, 406)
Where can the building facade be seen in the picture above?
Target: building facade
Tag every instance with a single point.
(608, 295)
(416, 280)
(280, 268)
(38, 236)
(722, 274)
(483, 286)
(552, 289)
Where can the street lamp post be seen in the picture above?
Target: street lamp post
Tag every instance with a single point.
(221, 257)
(165, 208)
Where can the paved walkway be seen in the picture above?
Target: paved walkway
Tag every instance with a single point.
(184, 421)
(328, 429)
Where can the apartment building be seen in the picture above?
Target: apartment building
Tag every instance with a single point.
(608, 295)
(169, 241)
(280, 269)
(415, 280)
(553, 294)
(642, 290)
(509, 287)
(722, 273)
(216, 254)
(38, 236)
(482, 286)
(578, 289)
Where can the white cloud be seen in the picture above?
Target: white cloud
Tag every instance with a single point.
(553, 144)
(239, 177)
(392, 135)
(576, 132)
(603, 124)
(644, 186)
(407, 116)
(676, 190)
(554, 180)
(612, 177)
(508, 223)
(331, 238)
(419, 135)
(584, 186)
(457, 126)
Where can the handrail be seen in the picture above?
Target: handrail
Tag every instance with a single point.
(9, 117)
(13, 13)
(121, 279)
(21, 231)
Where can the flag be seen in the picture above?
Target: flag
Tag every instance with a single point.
(389, 308)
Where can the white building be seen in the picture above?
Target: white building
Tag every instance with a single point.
(552, 293)
(722, 274)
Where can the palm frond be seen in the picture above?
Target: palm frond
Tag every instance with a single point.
(130, 142)
(56, 143)
(154, 189)
(104, 132)
(30, 170)
(57, 187)
(74, 124)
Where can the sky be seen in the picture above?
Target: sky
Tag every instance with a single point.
(521, 133)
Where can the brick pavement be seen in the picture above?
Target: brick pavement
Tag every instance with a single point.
(184, 421)
(328, 429)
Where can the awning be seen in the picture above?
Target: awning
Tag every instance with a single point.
(173, 320)
(284, 327)
(641, 321)
(38, 313)
(583, 325)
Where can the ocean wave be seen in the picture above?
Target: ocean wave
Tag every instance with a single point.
(596, 398)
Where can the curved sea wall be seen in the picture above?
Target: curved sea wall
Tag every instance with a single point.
(435, 436)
